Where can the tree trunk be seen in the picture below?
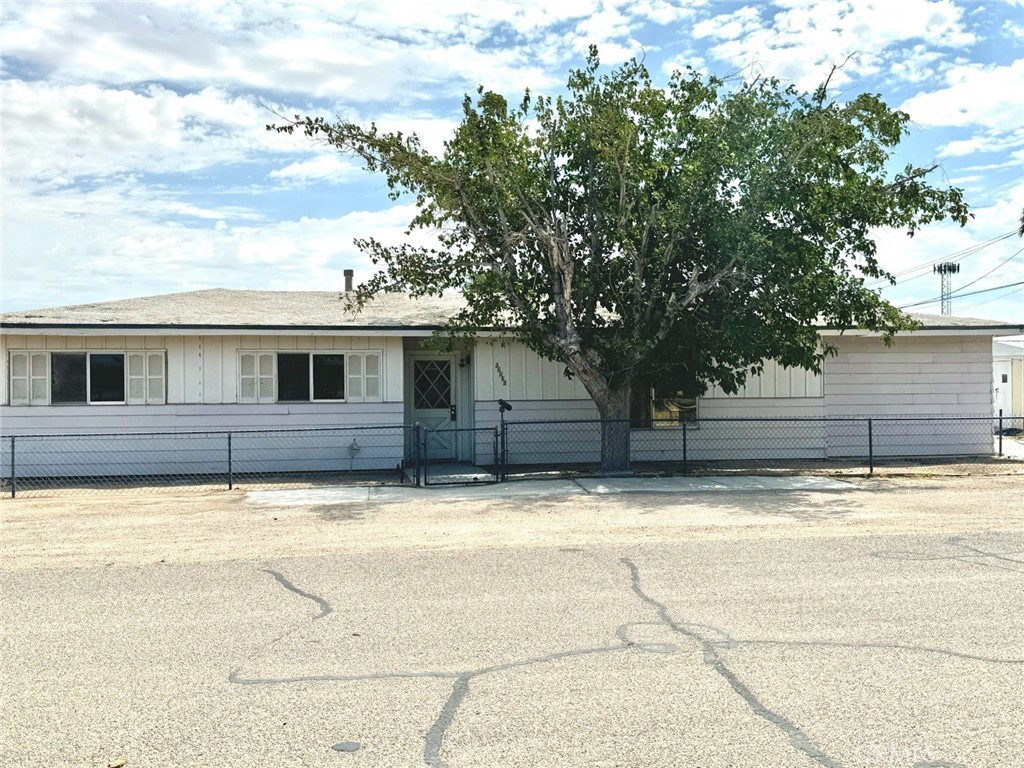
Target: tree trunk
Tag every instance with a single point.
(612, 401)
(613, 405)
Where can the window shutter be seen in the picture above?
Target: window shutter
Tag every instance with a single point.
(156, 390)
(39, 372)
(364, 377)
(371, 368)
(354, 390)
(30, 378)
(136, 372)
(256, 377)
(19, 378)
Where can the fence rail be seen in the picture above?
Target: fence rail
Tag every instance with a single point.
(412, 454)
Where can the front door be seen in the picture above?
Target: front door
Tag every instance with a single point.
(1002, 388)
(433, 404)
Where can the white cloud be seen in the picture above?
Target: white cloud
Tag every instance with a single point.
(346, 53)
(802, 41)
(330, 168)
(975, 95)
(65, 131)
(72, 258)
(986, 141)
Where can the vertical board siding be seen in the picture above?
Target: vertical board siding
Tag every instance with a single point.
(775, 381)
(510, 371)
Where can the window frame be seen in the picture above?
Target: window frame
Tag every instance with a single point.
(646, 420)
(147, 377)
(351, 381)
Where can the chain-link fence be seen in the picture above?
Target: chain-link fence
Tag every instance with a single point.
(397, 454)
(708, 443)
(243, 458)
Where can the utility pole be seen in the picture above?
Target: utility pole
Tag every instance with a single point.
(946, 269)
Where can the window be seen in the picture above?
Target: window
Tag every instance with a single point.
(303, 377)
(87, 378)
(650, 408)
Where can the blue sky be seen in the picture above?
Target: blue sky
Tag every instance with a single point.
(135, 159)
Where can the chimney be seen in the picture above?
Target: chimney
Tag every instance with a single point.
(348, 280)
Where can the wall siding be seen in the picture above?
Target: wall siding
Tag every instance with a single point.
(918, 376)
(204, 369)
(110, 443)
(510, 371)
(928, 375)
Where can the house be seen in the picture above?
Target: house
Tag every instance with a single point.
(217, 361)
(1008, 376)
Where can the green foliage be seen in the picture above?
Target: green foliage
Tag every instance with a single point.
(639, 234)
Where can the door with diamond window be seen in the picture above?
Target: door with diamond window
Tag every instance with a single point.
(433, 404)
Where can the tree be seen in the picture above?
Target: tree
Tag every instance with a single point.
(641, 235)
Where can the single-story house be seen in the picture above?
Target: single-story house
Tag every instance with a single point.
(1008, 376)
(236, 360)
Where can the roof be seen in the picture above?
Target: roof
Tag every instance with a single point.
(229, 309)
(223, 309)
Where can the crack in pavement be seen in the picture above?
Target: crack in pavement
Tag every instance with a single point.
(796, 736)
(961, 543)
(434, 738)
(325, 607)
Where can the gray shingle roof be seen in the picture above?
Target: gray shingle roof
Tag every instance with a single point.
(222, 308)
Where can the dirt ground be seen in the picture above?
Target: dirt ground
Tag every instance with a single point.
(192, 526)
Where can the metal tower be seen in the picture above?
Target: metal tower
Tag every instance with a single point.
(947, 269)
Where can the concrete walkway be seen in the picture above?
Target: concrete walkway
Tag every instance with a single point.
(535, 488)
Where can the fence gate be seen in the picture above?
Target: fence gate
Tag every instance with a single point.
(479, 445)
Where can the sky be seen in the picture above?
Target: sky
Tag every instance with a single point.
(135, 159)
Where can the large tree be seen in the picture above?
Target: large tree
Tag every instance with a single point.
(642, 235)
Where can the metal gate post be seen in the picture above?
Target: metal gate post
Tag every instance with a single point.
(416, 452)
(230, 474)
(871, 450)
(497, 464)
(685, 430)
(14, 476)
(1000, 433)
(504, 450)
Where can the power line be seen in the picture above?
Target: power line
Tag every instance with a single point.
(997, 298)
(959, 291)
(963, 253)
(963, 295)
(997, 266)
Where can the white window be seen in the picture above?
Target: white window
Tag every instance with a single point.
(87, 378)
(304, 377)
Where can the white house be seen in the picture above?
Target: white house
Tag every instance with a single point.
(1008, 376)
(223, 360)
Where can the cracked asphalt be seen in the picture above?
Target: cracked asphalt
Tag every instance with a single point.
(879, 625)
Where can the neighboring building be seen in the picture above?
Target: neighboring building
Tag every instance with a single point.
(242, 360)
(1008, 376)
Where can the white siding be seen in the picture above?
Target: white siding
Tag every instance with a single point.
(775, 381)
(204, 369)
(108, 447)
(928, 375)
(510, 371)
(918, 376)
